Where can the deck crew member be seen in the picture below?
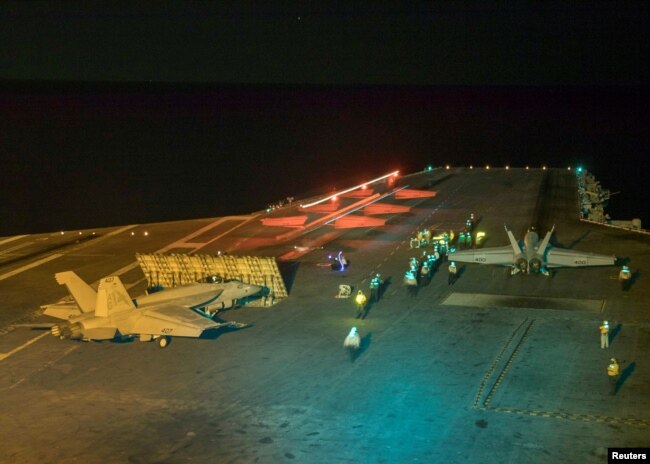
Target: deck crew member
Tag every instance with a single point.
(604, 335)
(613, 372)
(453, 272)
(360, 301)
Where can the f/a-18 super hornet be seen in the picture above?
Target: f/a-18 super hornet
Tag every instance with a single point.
(531, 256)
(109, 313)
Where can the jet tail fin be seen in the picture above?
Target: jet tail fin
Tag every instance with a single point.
(513, 242)
(542, 247)
(83, 294)
(112, 297)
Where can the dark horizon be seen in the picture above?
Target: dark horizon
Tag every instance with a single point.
(82, 156)
(139, 113)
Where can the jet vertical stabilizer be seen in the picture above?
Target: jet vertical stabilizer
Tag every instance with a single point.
(112, 297)
(542, 248)
(83, 294)
(513, 242)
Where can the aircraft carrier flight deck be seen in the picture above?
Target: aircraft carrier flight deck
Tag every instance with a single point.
(494, 368)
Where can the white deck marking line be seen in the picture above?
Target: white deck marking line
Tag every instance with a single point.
(18, 383)
(11, 239)
(30, 266)
(34, 264)
(4, 356)
(182, 242)
(115, 232)
(122, 270)
(14, 248)
(225, 233)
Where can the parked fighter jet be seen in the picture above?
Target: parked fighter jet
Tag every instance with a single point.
(531, 256)
(110, 313)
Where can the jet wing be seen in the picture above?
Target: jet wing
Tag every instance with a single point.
(188, 296)
(501, 256)
(560, 257)
(62, 310)
(172, 320)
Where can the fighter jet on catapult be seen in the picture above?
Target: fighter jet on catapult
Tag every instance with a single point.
(531, 256)
(110, 313)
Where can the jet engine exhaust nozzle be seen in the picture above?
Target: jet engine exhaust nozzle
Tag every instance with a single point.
(535, 265)
(67, 331)
(522, 264)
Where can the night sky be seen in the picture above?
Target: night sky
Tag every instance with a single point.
(114, 116)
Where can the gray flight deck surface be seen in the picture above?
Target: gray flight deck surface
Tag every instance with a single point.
(492, 369)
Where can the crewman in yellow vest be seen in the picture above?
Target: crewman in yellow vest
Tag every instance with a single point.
(613, 372)
(604, 335)
(625, 278)
(360, 300)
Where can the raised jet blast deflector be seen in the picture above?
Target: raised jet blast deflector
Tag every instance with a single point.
(386, 208)
(407, 194)
(351, 221)
(287, 221)
(322, 208)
